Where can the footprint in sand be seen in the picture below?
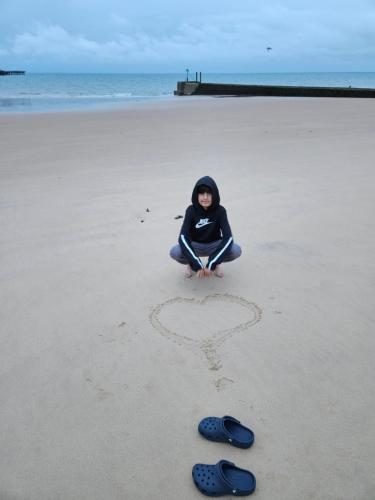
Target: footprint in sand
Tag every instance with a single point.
(105, 356)
(202, 326)
(119, 334)
(100, 392)
(222, 383)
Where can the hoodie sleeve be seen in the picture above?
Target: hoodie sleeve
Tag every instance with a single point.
(217, 257)
(185, 243)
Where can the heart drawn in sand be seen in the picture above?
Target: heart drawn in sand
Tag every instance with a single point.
(203, 325)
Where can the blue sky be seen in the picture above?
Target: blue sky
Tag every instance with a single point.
(169, 36)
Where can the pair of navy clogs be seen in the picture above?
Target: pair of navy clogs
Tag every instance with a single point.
(224, 478)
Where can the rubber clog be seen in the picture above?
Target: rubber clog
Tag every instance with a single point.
(226, 430)
(224, 478)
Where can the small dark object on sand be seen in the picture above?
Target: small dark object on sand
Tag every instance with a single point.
(142, 220)
(148, 210)
(179, 217)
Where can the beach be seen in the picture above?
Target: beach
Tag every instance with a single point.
(109, 357)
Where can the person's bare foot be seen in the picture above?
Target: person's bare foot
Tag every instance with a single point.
(188, 272)
(218, 272)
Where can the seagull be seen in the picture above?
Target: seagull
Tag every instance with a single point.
(269, 48)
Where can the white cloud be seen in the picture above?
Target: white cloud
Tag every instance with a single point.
(55, 41)
(295, 33)
(51, 40)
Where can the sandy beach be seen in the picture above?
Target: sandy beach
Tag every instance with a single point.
(109, 358)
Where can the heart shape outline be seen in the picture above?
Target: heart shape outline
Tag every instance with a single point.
(209, 345)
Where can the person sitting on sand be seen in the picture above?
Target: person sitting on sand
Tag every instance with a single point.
(205, 232)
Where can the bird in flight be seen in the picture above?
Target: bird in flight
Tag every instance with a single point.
(269, 48)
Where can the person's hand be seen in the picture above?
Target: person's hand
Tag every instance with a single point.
(204, 273)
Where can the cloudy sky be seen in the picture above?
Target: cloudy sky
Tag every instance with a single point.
(169, 36)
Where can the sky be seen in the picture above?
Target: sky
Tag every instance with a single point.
(150, 36)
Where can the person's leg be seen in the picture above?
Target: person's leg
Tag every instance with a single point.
(200, 249)
(234, 252)
(176, 254)
(204, 250)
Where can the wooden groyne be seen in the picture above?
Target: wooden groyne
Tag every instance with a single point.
(228, 89)
(5, 73)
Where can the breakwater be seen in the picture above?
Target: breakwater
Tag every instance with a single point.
(228, 89)
(5, 73)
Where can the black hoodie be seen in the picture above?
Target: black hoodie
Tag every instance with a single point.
(205, 226)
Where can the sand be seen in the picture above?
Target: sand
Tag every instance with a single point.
(109, 357)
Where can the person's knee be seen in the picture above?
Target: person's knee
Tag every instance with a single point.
(239, 250)
(236, 251)
(176, 254)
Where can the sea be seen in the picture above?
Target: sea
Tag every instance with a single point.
(51, 92)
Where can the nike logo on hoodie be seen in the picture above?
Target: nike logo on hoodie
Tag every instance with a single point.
(202, 222)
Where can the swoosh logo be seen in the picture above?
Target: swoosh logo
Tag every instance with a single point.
(202, 222)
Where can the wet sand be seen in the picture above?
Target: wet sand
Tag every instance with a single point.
(109, 357)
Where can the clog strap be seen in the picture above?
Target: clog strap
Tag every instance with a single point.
(220, 473)
(224, 430)
(228, 417)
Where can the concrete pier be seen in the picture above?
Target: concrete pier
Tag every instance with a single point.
(197, 88)
(6, 73)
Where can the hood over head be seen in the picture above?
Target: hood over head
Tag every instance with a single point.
(206, 181)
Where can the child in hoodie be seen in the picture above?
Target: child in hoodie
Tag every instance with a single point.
(205, 232)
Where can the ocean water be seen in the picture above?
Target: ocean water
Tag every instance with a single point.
(43, 92)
